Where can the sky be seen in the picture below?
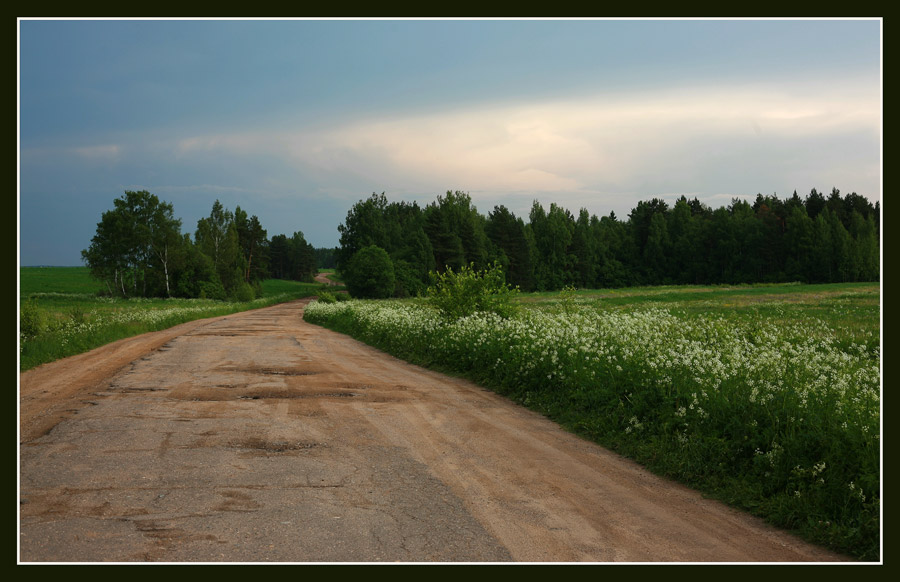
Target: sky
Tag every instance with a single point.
(297, 120)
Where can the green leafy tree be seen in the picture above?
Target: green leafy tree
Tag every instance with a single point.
(617, 252)
(656, 249)
(552, 231)
(747, 262)
(196, 273)
(279, 253)
(771, 227)
(791, 203)
(370, 274)
(647, 262)
(162, 231)
(723, 255)
(843, 266)
(364, 226)
(799, 245)
(865, 245)
(212, 234)
(253, 243)
(302, 259)
(400, 228)
(835, 203)
(684, 236)
(585, 251)
(137, 238)
(409, 248)
(456, 231)
(822, 266)
(217, 237)
(815, 203)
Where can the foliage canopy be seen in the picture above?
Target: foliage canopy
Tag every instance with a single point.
(370, 274)
(139, 251)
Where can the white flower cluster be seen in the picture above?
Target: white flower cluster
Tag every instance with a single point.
(700, 364)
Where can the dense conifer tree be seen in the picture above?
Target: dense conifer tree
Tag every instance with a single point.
(770, 240)
(507, 233)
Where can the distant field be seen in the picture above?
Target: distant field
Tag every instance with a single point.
(767, 397)
(853, 307)
(61, 313)
(69, 280)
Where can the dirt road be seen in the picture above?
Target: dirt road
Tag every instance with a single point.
(258, 437)
(323, 278)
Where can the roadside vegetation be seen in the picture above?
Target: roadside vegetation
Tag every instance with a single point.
(766, 397)
(62, 311)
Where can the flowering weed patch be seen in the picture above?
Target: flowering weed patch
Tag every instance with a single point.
(778, 415)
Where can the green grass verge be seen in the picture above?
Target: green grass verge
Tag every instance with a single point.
(61, 313)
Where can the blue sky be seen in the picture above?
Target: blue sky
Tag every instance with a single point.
(295, 121)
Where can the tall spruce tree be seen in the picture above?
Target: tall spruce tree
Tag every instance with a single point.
(507, 233)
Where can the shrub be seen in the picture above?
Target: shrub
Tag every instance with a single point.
(243, 292)
(370, 274)
(461, 293)
(409, 281)
(212, 290)
(77, 315)
(326, 297)
(31, 320)
(567, 298)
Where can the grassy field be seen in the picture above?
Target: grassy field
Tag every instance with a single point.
(62, 314)
(766, 397)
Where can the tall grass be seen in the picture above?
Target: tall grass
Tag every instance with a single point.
(61, 313)
(771, 405)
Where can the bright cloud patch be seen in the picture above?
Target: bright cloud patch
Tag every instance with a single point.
(605, 142)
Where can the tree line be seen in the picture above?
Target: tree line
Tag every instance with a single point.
(139, 251)
(816, 239)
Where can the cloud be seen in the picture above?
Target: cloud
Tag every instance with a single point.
(102, 153)
(663, 141)
(98, 152)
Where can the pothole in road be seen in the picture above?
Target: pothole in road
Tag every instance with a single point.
(235, 332)
(276, 372)
(226, 392)
(119, 389)
(266, 446)
(269, 371)
(292, 395)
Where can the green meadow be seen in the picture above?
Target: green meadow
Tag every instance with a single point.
(62, 312)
